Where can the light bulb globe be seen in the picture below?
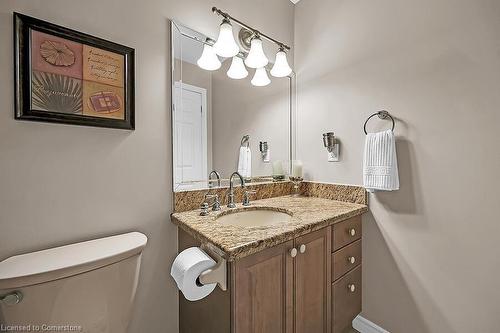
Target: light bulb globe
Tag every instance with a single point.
(260, 78)
(281, 67)
(237, 70)
(256, 57)
(209, 60)
(226, 46)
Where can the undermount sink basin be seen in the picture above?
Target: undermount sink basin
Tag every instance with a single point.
(254, 217)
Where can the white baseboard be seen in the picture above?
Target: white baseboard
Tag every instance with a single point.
(363, 325)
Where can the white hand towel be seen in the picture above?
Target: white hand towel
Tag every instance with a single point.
(245, 162)
(249, 163)
(380, 163)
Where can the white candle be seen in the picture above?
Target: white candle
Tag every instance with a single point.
(278, 168)
(297, 168)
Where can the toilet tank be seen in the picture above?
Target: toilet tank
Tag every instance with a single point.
(83, 287)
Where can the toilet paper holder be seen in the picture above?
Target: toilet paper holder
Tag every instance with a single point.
(216, 274)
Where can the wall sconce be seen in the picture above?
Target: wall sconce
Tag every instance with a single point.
(332, 146)
(264, 150)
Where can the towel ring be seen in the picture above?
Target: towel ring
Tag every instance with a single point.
(382, 115)
(244, 141)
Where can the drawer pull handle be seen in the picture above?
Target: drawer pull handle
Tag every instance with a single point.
(293, 252)
(302, 248)
(351, 260)
(352, 232)
(351, 287)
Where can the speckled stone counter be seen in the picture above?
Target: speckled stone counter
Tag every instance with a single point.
(189, 200)
(347, 193)
(234, 242)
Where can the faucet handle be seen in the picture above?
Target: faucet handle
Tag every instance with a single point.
(216, 203)
(204, 209)
(246, 197)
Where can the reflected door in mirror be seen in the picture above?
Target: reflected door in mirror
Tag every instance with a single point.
(190, 134)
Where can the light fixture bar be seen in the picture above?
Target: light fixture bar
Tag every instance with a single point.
(255, 31)
(207, 41)
(210, 42)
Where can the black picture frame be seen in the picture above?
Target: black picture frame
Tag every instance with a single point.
(23, 25)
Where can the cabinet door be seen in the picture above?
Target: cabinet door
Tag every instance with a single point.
(313, 282)
(346, 300)
(263, 295)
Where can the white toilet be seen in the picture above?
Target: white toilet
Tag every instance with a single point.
(83, 287)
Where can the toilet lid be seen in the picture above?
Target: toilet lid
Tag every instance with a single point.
(59, 262)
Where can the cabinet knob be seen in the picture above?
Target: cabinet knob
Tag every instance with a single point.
(351, 287)
(352, 232)
(351, 260)
(293, 252)
(302, 248)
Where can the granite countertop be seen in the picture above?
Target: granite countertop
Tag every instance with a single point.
(234, 242)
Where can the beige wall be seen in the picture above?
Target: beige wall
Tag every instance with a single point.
(431, 254)
(61, 184)
(261, 112)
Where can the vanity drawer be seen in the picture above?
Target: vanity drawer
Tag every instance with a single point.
(346, 296)
(346, 259)
(346, 232)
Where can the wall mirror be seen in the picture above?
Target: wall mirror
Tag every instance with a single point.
(214, 116)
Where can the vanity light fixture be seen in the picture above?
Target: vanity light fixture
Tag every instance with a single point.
(209, 60)
(237, 70)
(256, 57)
(226, 46)
(260, 78)
(281, 67)
(265, 151)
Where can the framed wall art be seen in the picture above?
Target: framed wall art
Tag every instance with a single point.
(65, 76)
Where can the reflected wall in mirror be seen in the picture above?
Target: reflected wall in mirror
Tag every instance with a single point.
(212, 113)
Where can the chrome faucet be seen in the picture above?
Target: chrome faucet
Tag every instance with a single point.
(217, 176)
(230, 200)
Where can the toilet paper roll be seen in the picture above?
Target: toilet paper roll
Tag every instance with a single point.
(186, 269)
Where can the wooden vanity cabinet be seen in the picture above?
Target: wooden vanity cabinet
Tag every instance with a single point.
(263, 291)
(312, 282)
(285, 289)
(346, 274)
(301, 286)
(346, 295)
